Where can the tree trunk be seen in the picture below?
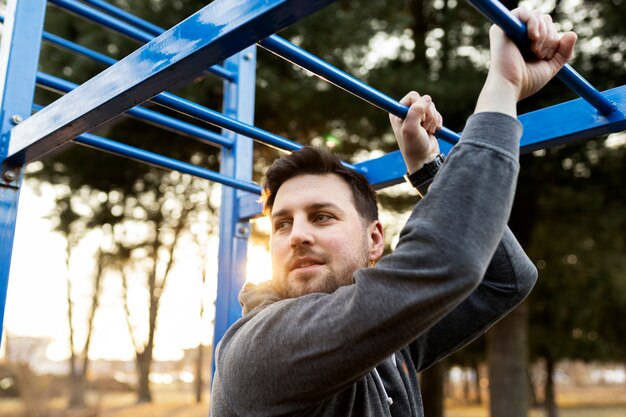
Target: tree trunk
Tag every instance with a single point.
(507, 357)
(199, 366)
(144, 361)
(77, 390)
(432, 389)
(467, 381)
(420, 29)
(534, 401)
(552, 410)
(479, 396)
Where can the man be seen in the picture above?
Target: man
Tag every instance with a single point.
(335, 335)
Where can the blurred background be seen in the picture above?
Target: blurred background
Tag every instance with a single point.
(113, 276)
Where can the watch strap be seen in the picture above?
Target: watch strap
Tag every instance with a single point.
(423, 177)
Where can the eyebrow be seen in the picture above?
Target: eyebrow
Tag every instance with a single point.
(310, 207)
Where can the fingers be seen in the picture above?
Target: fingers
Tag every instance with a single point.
(422, 112)
(542, 33)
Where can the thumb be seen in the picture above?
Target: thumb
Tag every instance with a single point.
(566, 48)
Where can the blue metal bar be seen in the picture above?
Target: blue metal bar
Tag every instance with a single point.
(219, 119)
(141, 155)
(516, 30)
(132, 32)
(128, 17)
(151, 158)
(551, 126)
(180, 54)
(185, 106)
(19, 57)
(171, 123)
(74, 47)
(323, 69)
(238, 103)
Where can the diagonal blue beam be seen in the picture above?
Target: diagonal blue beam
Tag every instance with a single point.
(551, 126)
(180, 54)
(183, 105)
(130, 31)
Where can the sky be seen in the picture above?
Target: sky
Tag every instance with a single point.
(36, 302)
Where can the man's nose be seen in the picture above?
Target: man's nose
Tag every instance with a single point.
(301, 233)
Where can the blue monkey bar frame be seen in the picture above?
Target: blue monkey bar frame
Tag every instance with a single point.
(220, 38)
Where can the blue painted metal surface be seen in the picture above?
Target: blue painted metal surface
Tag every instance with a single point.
(516, 30)
(236, 162)
(19, 56)
(173, 58)
(150, 116)
(308, 61)
(132, 32)
(550, 126)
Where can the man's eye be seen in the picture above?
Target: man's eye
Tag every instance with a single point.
(322, 217)
(281, 225)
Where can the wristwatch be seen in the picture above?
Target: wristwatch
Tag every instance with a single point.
(423, 177)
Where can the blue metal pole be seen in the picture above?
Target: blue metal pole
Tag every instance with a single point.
(128, 17)
(150, 116)
(306, 60)
(516, 30)
(132, 32)
(161, 161)
(236, 162)
(19, 57)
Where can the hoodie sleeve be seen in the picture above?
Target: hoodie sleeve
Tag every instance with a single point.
(509, 279)
(298, 352)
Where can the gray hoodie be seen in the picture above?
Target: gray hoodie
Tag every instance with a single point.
(456, 270)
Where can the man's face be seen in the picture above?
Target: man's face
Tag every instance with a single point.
(318, 239)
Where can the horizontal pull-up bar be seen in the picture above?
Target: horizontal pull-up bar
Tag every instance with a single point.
(124, 15)
(160, 161)
(334, 75)
(150, 116)
(303, 59)
(517, 31)
(550, 126)
(73, 47)
(123, 28)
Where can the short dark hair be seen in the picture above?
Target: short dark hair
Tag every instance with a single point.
(319, 161)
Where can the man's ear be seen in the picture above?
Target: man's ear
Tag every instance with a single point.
(376, 239)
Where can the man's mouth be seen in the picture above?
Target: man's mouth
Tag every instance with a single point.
(305, 263)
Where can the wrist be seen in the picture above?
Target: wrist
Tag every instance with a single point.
(498, 95)
(414, 166)
(422, 178)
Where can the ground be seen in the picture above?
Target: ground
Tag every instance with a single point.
(575, 402)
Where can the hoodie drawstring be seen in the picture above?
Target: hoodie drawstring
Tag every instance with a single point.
(380, 381)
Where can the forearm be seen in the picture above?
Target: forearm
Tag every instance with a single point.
(509, 279)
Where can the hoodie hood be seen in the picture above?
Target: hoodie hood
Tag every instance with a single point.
(252, 296)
